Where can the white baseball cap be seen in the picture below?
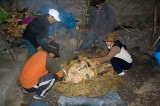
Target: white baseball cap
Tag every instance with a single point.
(55, 14)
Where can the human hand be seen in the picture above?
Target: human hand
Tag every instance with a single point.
(77, 27)
(60, 73)
(51, 37)
(87, 29)
(39, 48)
(95, 60)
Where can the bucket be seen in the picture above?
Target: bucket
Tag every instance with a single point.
(157, 55)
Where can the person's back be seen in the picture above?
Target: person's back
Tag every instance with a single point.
(33, 69)
(37, 26)
(37, 29)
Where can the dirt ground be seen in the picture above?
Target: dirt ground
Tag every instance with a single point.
(141, 89)
(143, 83)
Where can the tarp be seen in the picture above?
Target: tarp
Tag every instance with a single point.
(157, 55)
(67, 19)
(38, 103)
(111, 99)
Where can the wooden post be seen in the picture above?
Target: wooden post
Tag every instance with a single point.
(17, 4)
(154, 23)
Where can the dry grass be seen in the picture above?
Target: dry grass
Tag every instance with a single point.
(94, 87)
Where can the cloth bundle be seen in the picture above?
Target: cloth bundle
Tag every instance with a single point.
(78, 70)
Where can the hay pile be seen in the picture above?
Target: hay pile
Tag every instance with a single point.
(14, 26)
(96, 86)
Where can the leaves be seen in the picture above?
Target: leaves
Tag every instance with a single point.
(3, 15)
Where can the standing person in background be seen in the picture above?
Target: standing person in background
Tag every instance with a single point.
(101, 21)
(38, 74)
(37, 30)
(120, 59)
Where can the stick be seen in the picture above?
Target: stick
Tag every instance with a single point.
(125, 29)
(156, 41)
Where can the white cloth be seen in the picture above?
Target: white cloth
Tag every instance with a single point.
(124, 55)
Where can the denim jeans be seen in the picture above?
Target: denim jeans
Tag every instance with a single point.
(119, 65)
(90, 38)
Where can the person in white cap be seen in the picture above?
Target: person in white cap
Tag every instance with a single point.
(37, 30)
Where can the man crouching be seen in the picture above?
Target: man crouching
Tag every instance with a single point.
(38, 74)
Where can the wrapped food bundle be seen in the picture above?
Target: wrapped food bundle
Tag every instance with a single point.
(81, 69)
(85, 78)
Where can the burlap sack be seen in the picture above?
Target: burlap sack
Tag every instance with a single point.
(78, 70)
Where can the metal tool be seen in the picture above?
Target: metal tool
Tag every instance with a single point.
(64, 71)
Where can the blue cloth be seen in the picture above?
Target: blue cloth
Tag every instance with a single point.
(38, 103)
(67, 20)
(31, 48)
(51, 30)
(157, 55)
(119, 65)
(44, 9)
(111, 99)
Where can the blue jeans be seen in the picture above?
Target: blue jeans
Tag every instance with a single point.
(90, 38)
(45, 83)
(119, 65)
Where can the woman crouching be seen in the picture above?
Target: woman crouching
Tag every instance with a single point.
(120, 59)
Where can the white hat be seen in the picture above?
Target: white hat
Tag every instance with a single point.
(54, 13)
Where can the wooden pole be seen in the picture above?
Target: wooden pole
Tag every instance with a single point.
(17, 4)
(154, 22)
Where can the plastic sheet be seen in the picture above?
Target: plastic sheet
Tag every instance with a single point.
(157, 55)
(111, 99)
(67, 19)
(38, 103)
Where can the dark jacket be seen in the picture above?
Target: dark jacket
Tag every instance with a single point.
(37, 29)
(102, 20)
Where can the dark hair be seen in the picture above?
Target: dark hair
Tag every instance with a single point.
(52, 47)
(120, 44)
(50, 15)
(96, 2)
